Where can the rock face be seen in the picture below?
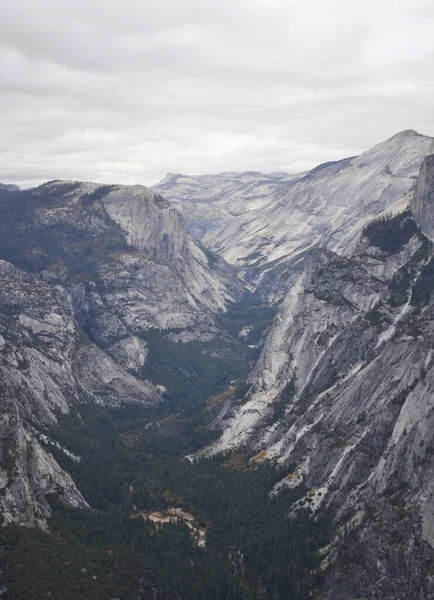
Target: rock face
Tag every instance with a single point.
(155, 228)
(268, 235)
(130, 242)
(47, 367)
(210, 203)
(125, 257)
(422, 202)
(95, 269)
(344, 391)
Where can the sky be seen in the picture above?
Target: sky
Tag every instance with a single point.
(124, 91)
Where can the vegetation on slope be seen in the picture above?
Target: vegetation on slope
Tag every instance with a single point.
(134, 460)
(391, 232)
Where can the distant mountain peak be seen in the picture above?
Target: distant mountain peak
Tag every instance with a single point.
(260, 223)
(407, 133)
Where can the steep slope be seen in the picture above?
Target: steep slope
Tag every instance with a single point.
(233, 193)
(343, 390)
(125, 257)
(94, 281)
(43, 373)
(327, 206)
(65, 227)
(210, 203)
(422, 201)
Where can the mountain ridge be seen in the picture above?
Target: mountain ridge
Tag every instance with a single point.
(104, 292)
(91, 275)
(327, 206)
(343, 391)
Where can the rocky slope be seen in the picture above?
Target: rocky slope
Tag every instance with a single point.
(210, 203)
(125, 257)
(101, 288)
(267, 236)
(344, 390)
(422, 201)
(47, 367)
(130, 229)
(86, 273)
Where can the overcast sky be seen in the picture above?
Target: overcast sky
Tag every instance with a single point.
(127, 90)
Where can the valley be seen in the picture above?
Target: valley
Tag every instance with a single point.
(235, 405)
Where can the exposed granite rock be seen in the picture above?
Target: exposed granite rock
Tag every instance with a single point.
(124, 254)
(131, 353)
(107, 382)
(273, 221)
(99, 267)
(422, 203)
(344, 390)
(47, 367)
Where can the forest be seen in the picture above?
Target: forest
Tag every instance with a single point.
(133, 460)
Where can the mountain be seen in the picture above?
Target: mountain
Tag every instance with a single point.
(265, 226)
(95, 280)
(47, 367)
(235, 193)
(342, 395)
(139, 377)
(210, 203)
(64, 228)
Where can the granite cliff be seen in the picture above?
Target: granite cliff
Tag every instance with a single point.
(342, 394)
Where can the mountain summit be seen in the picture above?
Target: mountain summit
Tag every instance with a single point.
(277, 221)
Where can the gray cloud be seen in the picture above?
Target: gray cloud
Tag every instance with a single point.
(124, 91)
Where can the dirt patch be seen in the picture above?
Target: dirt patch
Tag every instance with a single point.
(173, 515)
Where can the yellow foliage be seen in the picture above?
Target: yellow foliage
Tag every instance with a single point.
(260, 456)
(217, 399)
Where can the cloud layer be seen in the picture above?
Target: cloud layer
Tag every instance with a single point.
(124, 91)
